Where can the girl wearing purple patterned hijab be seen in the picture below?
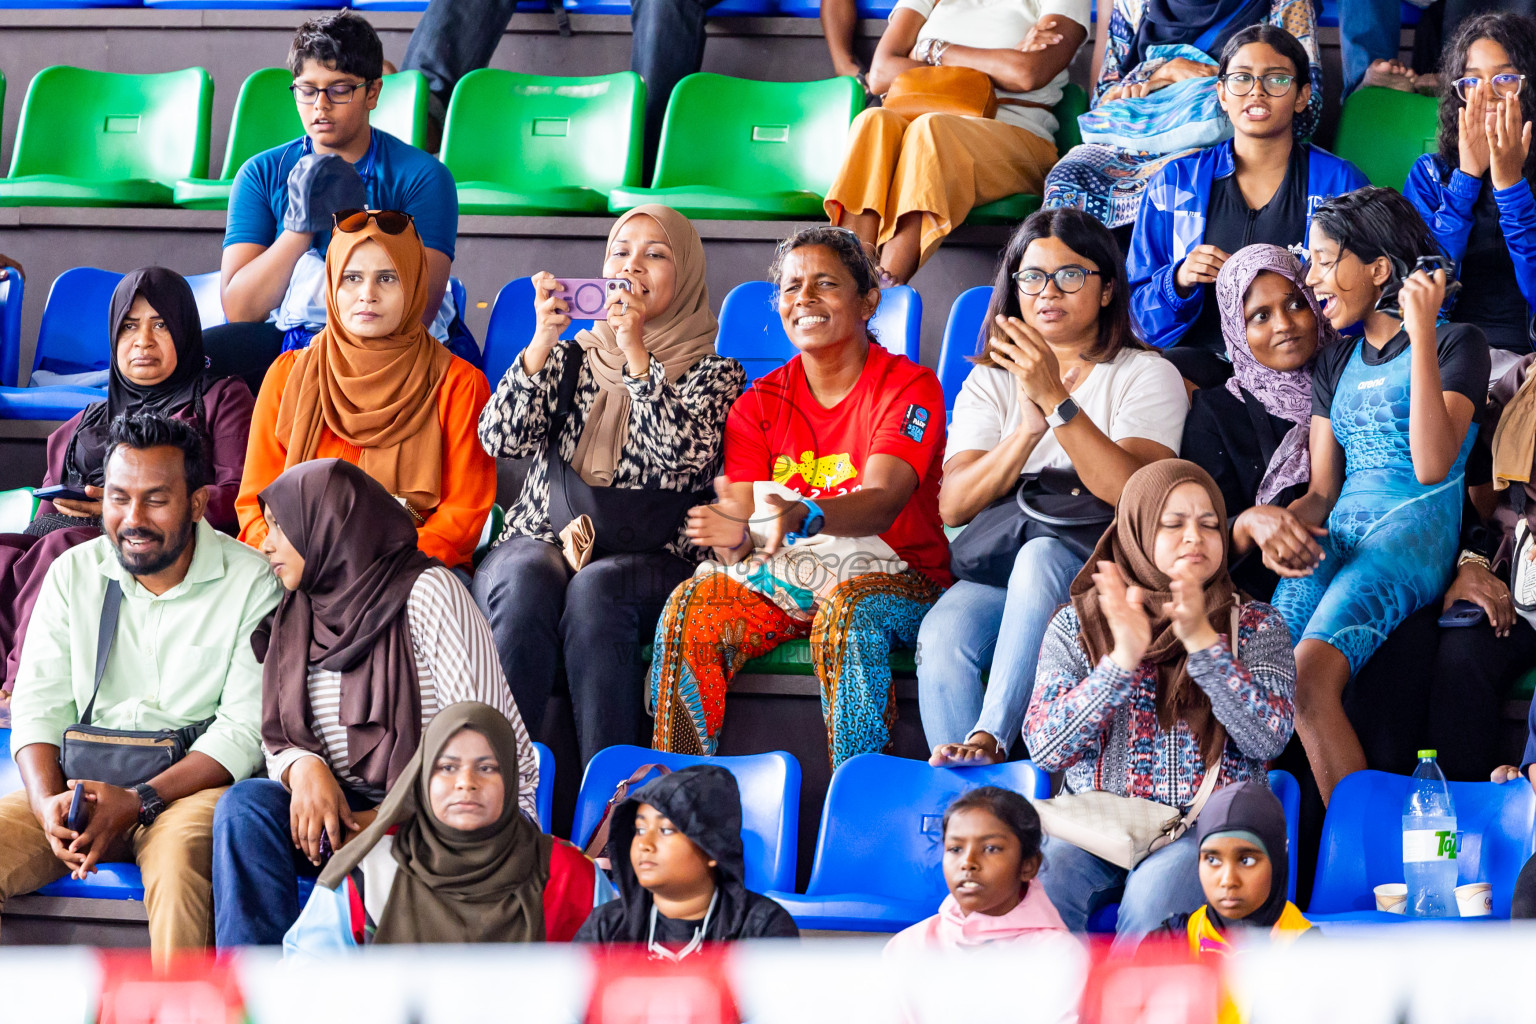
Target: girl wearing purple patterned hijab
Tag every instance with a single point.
(1273, 329)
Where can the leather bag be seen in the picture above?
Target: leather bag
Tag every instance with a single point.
(1051, 503)
(598, 844)
(941, 90)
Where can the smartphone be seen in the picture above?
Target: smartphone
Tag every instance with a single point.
(1461, 613)
(78, 817)
(587, 297)
(64, 491)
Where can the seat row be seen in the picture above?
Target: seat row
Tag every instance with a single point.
(516, 144)
(723, 9)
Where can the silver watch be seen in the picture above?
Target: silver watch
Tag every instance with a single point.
(1062, 414)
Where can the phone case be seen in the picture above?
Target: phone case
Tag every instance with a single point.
(588, 297)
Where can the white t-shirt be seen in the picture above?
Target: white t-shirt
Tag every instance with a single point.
(1138, 394)
(997, 25)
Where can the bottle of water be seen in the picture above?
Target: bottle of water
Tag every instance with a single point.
(1429, 842)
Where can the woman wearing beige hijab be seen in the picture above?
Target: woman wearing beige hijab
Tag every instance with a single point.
(594, 544)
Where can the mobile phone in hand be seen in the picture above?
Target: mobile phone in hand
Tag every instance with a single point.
(1461, 614)
(64, 491)
(587, 298)
(79, 816)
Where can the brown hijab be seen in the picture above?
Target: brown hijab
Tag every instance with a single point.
(1129, 543)
(348, 615)
(678, 337)
(456, 886)
(379, 394)
(1514, 439)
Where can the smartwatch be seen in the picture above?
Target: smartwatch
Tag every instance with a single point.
(1062, 414)
(815, 519)
(150, 804)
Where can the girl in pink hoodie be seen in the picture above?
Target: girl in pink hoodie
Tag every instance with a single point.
(991, 856)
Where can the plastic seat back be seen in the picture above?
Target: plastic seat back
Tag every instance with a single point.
(511, 325)
(756, 137)
(770, 804)
(74, 336)
(210, 307)
(105, 126)
(882, 826)
(1383, 131)
(1285, 787)
(544, 799)
(752, 333)
(1362, 845)
(17, 507)
(536, 132)
(962, 339)
(12, 291)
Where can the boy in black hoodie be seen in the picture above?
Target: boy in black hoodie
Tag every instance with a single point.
(677, 858)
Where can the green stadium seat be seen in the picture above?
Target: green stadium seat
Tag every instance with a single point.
(98, 138)
(266, 116)
(743, 150)
(1383, 131)
(16, 509)
(1013, 209)
(534, 144)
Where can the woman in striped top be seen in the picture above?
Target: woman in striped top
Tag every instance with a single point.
(372, 639)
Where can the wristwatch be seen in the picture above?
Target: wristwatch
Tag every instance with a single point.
(150, 804)
(1062, 414)
(815, 519)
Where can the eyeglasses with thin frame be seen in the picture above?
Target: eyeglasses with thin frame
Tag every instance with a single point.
(1240, 83)
(1504, 86)
(1068, 279)
(340, 94)
(391, 222)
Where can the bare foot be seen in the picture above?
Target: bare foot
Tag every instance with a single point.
(1427, 85)
(1390, 74)
(978, 748)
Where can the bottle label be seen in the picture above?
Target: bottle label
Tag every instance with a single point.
(1427, 844)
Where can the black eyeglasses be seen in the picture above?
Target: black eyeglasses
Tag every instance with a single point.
(1503, 86)
(1240, 83)
(1069, 279)
(341, 93)
(391, 222)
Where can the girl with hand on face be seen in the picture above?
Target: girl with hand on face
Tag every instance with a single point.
(1475, 191)
(463, 864)
(1391, 430)
(1061, 384)
(375, 389)
(647, 413)
(1143, 690)
(372, 639)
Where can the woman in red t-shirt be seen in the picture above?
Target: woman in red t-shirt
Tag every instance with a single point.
(854, 433)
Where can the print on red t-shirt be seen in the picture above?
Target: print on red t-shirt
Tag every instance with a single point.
(778, 431)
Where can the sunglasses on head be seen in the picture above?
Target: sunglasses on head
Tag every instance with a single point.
(391, 222)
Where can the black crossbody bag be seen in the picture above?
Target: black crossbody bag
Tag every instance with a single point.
(625, 520)
(120, 757)
(1051, 503)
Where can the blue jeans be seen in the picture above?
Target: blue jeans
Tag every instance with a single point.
(256, 868)
(1368, 30)
(455, 37)
(975, 625)
(1166, 883)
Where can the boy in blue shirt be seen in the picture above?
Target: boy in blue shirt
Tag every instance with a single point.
(280, 209)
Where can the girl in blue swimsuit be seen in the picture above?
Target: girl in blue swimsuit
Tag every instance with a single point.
(1374, 538)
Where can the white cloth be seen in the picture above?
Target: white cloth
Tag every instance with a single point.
(304, 301)
(998, 25)
(1138, 394)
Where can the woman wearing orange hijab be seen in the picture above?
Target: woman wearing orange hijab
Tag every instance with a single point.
(376, 390)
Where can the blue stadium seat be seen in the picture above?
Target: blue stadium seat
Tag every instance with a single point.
(525, 6)
(12, 291)
(723, 9)
(210, 305)
(544, 800)
(72, 339)
(17, 5)
(244, 5)
(880, 9)
(1362, 844)
(962, 336)
(770, 804)
(879, 851)
(1329, 16)
(752, 333)
(511, 325)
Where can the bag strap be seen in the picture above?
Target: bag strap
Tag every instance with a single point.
(111, 602)
(1213, 768)
(565, 399)
(599, 841)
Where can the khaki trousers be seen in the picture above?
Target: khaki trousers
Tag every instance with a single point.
(175, 856)
(940, 165)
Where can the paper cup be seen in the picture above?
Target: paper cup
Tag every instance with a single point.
(1475, 899)
(1392, 897)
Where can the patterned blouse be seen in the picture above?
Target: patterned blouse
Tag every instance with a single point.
(1100, 724)
(675, 432)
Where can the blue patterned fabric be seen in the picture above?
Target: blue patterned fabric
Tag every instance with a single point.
(1171, 222)
(1186, 115)
(1391, 544)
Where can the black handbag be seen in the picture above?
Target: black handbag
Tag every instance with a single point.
(120, 757)
(1051, 503)
(625, 520)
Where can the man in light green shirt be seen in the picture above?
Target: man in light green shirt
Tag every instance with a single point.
(181, 654)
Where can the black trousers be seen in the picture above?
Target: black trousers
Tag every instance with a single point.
(595, 623)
